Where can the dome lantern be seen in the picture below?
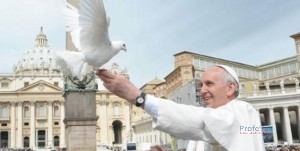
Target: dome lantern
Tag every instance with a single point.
(41, 39)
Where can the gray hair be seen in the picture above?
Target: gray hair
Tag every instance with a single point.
(228, 78)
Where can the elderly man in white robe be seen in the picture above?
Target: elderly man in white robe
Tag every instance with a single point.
(224, 124)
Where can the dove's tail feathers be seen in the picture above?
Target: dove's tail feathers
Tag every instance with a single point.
(71, 63)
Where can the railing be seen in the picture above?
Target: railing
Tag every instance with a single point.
(271, 92)
(276, 91)
(291, 90)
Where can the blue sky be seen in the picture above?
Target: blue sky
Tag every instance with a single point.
(247, 31)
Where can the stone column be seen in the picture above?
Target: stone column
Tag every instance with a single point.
(32, 124)
(36, 134)
(273, 123)
(20, 125)
(297, 42)
(50, 124)
(298, 121)
(80, 109)
(287, 126)
(80, 120)
(62, 142)
(98, 128)
(13, 125)
(104, 125)
(111, 135)
(127, 122)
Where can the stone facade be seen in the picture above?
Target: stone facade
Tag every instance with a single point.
(32, 107)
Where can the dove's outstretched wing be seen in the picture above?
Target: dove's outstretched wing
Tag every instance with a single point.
(94, 26)
(88, 25)
(89, 31)
(71, 17)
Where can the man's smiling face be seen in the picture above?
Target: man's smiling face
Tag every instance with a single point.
(214, 88)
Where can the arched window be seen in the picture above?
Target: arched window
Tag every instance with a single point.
(56, 141)
(117, 127)
(26, 112)
(4, 112)
(56, 111)
(117, 110)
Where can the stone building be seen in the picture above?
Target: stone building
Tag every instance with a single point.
(144, 135)
(31, 100)
(32, 105)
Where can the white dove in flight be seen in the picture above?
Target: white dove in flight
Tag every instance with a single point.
(88, 27)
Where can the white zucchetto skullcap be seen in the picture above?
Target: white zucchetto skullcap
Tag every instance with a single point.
(231, 72)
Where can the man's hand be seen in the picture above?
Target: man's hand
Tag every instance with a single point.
(119, 85)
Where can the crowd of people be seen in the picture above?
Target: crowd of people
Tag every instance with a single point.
(159, 148)
(283, 148)
(11, 149)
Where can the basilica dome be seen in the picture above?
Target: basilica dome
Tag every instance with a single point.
(38, 60)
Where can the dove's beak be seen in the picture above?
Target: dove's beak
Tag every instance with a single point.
(125, 50)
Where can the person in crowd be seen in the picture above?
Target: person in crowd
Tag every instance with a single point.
(157, 148)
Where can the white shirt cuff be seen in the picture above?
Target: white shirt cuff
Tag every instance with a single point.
(151, 106)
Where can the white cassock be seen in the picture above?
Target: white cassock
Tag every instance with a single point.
(195, 146)
(233, 127)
